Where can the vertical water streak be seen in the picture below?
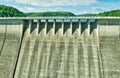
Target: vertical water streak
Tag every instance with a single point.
(76, 56)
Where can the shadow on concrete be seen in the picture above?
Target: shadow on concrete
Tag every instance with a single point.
(66, 27)
(75, 26)
(41, 27)
(49, 27)
(33, 27)
(25, 26)
(93, 26)
(83, 26)
(58, 25)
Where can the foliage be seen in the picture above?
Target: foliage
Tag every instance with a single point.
(8, 11)
(110, 13)
(43, 14)
(86, 15)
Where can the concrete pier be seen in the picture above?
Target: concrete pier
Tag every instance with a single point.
(62, 26)
(38, 26)
(59, 47)
(79, 29)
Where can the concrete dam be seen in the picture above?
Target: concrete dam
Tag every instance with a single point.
(60, 47)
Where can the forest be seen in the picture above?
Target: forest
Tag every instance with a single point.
(8, 11)
(44, 14)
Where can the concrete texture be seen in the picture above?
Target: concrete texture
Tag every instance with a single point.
(11, 37)
(30, 49)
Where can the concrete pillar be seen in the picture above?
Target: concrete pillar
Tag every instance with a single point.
(62, 27)
(54, 22)
(97, 27)
(30, 26)
(79, 23)
(46, 24)
(38, 24)
(88, 23)
(71, 27)
(118, 23)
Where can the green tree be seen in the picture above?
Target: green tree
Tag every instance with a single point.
(8, 11)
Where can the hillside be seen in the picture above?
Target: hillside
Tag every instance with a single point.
(37, 14)
(8, 11)
(86, 15)
(109, 13)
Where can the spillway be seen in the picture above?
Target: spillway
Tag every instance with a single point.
(60, 47)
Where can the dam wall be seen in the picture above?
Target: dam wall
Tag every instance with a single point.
(60, 47)
(10, 39)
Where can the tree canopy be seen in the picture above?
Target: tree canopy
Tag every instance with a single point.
(8, 11)
(37, 14)
(110, 13)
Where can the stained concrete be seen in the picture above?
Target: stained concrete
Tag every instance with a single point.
(79, 50)
(11, 36)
